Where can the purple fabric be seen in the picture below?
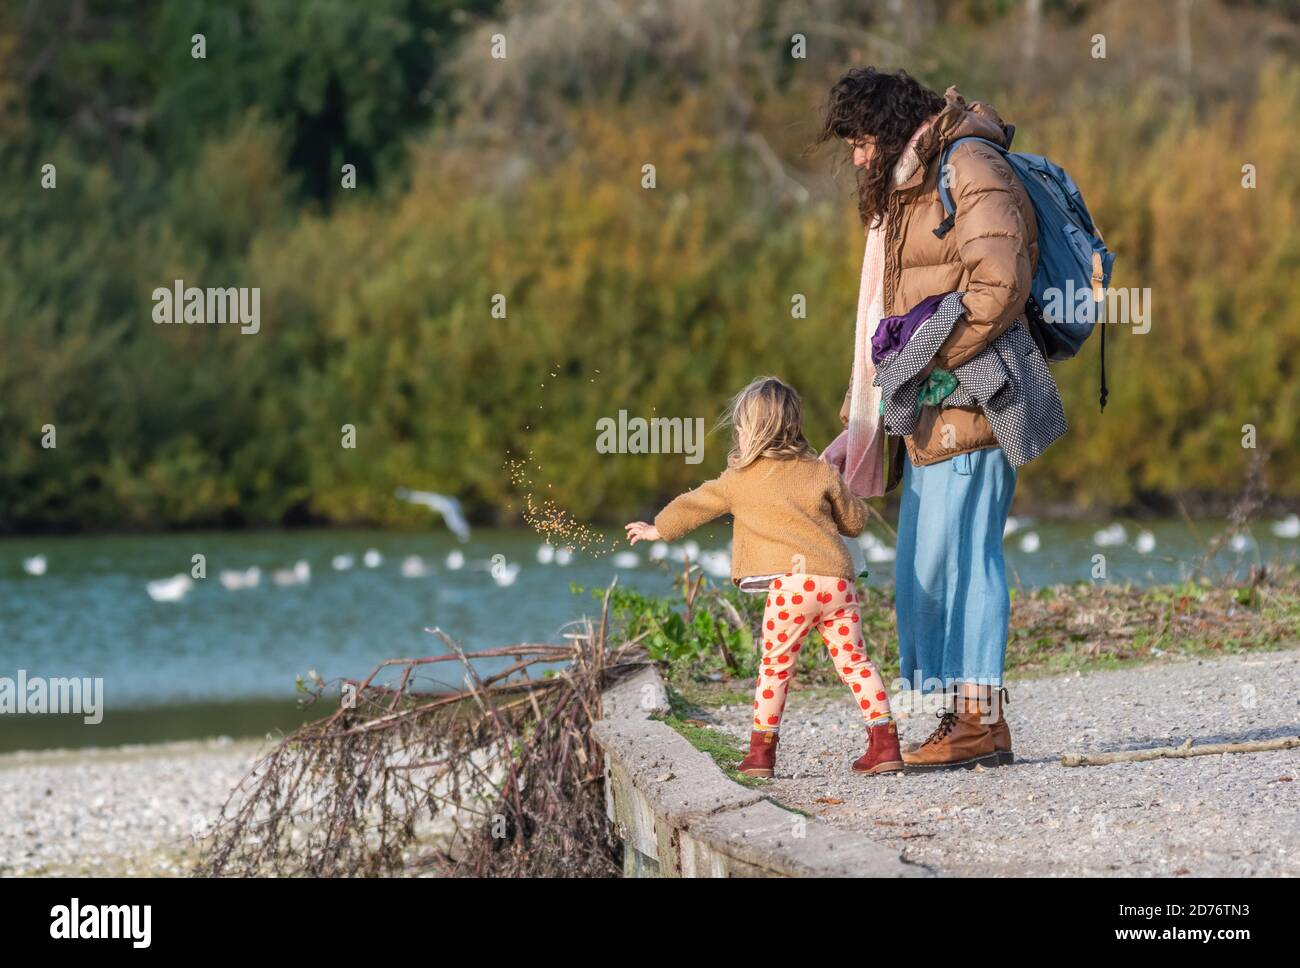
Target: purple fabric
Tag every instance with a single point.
(894, 331)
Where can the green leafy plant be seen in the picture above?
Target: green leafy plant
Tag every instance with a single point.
(707, 631)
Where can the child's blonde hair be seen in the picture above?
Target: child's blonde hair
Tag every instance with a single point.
(766, 421)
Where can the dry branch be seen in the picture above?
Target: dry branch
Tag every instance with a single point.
(497, 779)
(1178, 752)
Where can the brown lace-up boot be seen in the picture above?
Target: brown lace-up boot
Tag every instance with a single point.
(761, 760)
(962, 739)
(950, 697)
(882, 755)
(1001, 732)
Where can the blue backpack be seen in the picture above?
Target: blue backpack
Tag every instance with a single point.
(1074, 266)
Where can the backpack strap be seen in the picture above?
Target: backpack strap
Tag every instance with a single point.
(945, 193)
(1104, 392)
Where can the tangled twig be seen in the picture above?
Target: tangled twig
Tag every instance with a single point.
(498, 778)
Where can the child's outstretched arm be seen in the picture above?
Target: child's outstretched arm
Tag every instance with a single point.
(685, 513)
(847, 509)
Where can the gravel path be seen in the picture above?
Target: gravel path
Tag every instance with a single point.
(1234, 815)
(118, 812)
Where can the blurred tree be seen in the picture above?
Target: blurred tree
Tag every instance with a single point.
(345, 81)
(522, 178)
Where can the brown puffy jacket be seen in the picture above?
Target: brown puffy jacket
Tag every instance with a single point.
(990, 254)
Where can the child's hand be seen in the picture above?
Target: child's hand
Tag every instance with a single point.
(640, 531)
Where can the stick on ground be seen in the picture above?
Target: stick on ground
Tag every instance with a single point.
(1178, 752)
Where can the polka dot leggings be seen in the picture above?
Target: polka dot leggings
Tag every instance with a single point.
(796, 604)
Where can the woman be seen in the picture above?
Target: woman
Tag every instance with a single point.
(953, 604)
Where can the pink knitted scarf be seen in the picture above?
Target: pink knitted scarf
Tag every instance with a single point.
(859, 451)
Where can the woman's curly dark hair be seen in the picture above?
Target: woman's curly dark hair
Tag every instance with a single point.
(886, 107)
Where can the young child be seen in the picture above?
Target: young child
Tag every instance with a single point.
(789, 510)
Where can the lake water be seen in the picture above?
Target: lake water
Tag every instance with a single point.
(221, 660)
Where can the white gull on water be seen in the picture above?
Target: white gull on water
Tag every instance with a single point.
(171, 589)
(299, 574)
(235, 579)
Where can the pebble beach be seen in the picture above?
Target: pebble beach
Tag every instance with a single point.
(124, 812)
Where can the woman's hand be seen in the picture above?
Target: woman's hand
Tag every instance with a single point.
(640, 531)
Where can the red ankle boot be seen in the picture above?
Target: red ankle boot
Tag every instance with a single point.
(882, 755)
(761, 760)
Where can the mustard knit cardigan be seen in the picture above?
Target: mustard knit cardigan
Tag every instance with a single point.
(789, 515)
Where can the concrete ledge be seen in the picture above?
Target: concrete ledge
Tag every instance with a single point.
(680, 816)
(781, 842)
(637, 697)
